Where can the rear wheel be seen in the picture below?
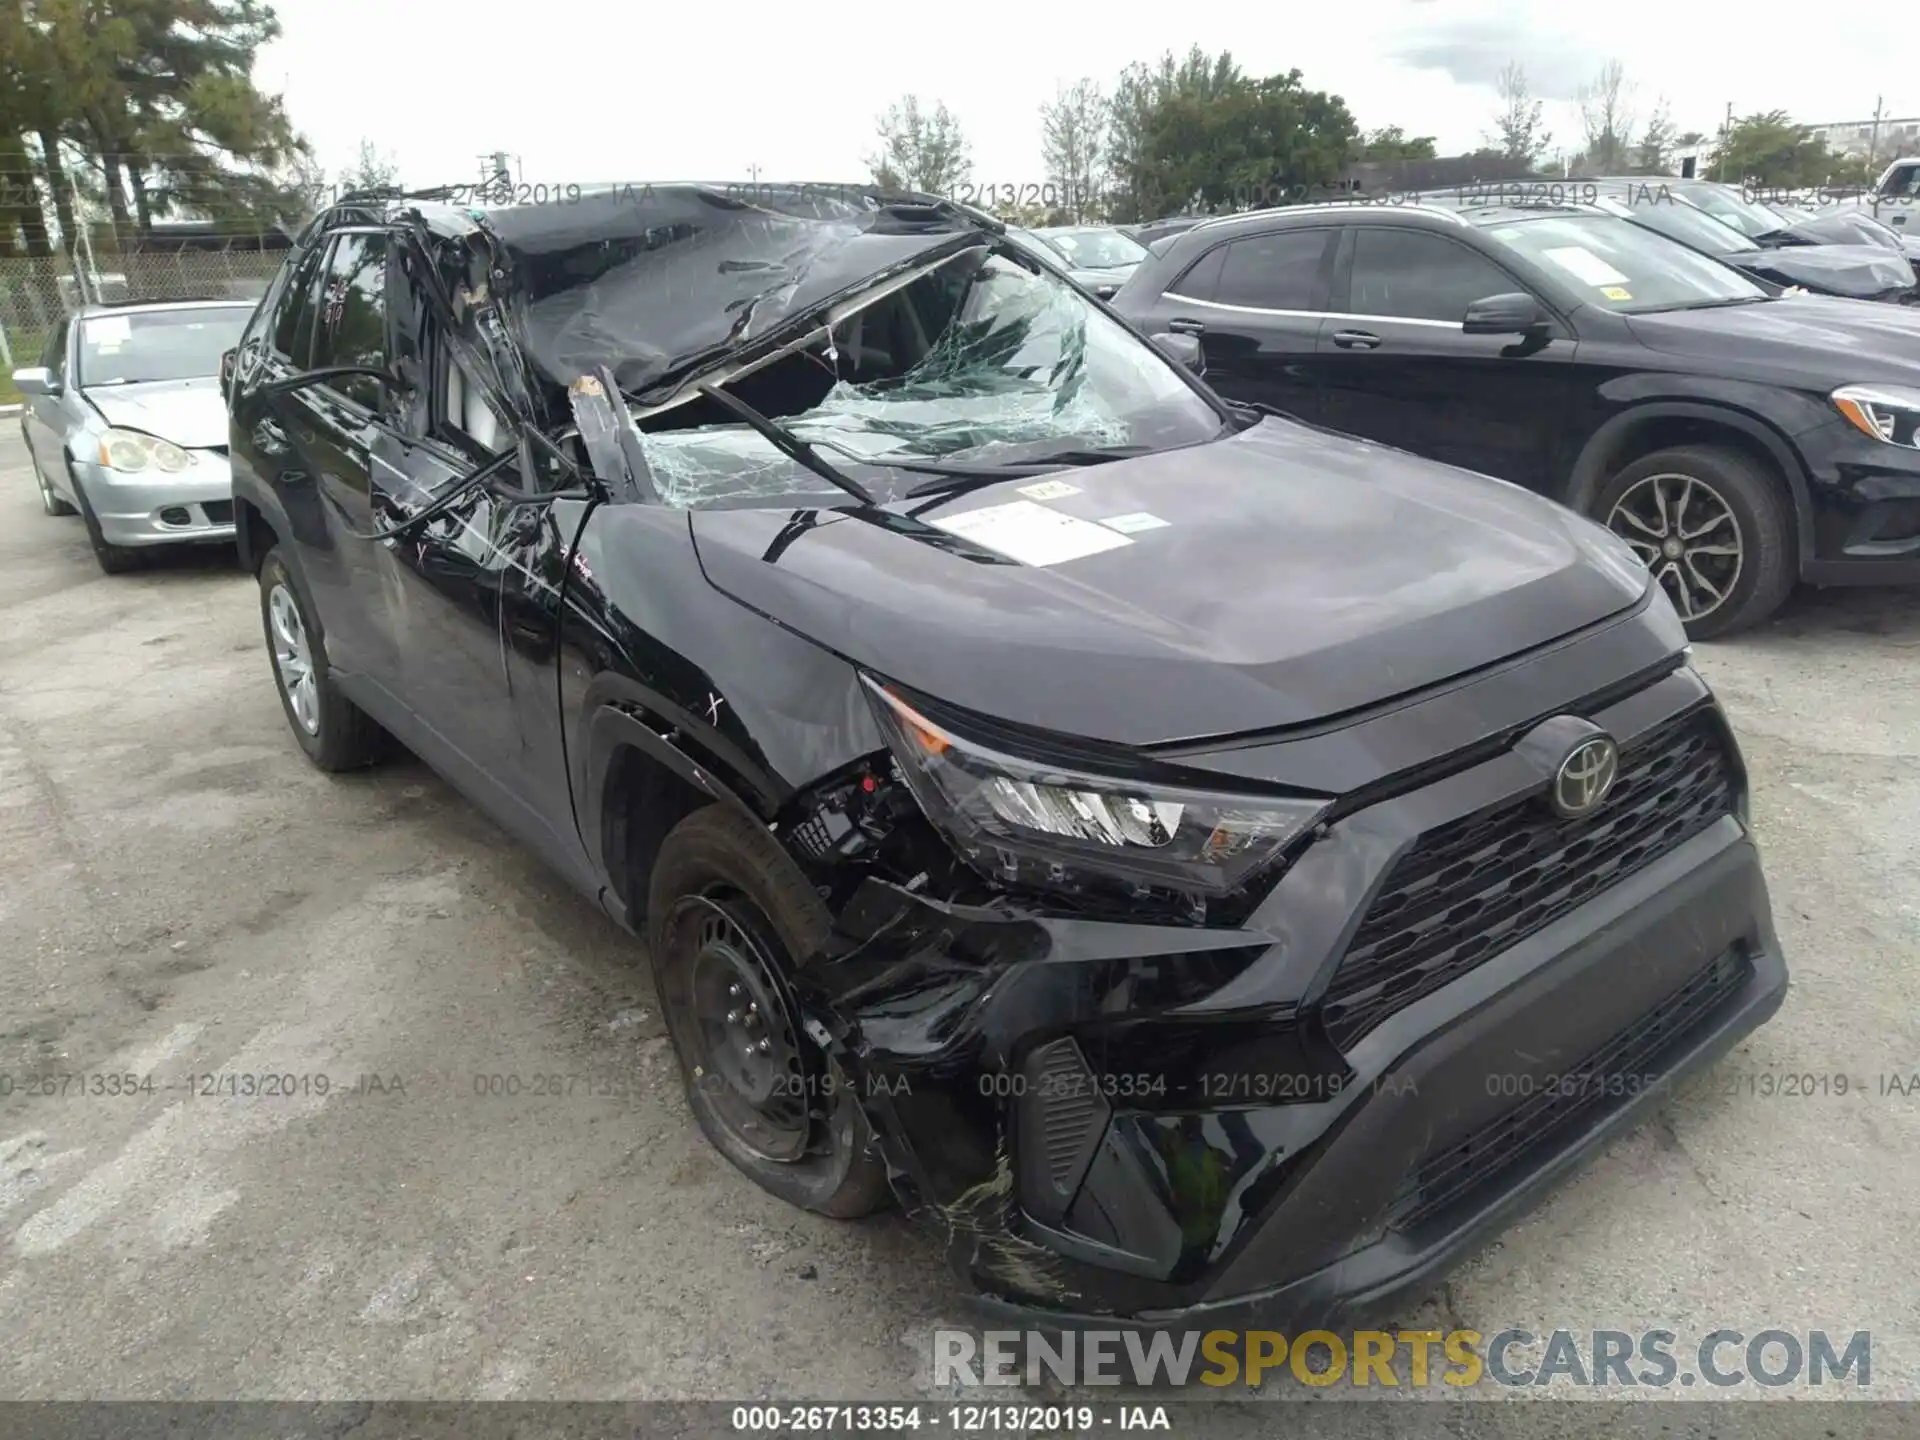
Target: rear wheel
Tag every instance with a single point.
(335, 733)
(1714, 527)
(728, 913)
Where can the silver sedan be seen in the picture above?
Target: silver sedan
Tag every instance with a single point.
(125, 423)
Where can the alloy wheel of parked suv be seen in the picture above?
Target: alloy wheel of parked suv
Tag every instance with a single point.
(334, 732)
(1713, 529)
(728, 910)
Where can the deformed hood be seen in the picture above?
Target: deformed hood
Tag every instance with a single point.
(1274, 578)
(656, 280)
(1856, 271)
(190, 413)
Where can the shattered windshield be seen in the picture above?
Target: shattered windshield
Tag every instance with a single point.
(984, 360)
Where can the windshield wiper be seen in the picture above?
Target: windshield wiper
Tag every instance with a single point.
(788, 443)
(960, 476)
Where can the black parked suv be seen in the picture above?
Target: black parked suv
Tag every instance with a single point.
(1736, 439)
(1208, 865)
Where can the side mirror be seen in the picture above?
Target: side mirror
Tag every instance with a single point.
(35, 380)
(1185, 349)
(1514, 314)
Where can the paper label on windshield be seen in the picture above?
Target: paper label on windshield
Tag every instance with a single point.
(1616, 292)
(1583, 264)
(1049, 490)
(1032, 534)
(1134, 521)
(109, 330)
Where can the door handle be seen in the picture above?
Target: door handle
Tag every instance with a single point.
(1356, 339)
(1186, 327)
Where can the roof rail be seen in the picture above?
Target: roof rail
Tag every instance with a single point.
(1335, 207)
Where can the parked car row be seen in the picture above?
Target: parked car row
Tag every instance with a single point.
(1738, 437)
(1054, 793)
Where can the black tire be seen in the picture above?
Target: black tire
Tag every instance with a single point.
(114, 559)
(343, 737)
(1758, 515)
(50, 501)
(719, 868)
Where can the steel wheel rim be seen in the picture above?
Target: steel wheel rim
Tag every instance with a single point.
(293, 659)
(749, 1065)
(1684, 531)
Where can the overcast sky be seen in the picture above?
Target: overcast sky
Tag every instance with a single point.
(610, 92)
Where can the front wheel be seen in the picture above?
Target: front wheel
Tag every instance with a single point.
(334, 732)
(1714, 527)
(50, 501)
(113, 559)
(728, 914)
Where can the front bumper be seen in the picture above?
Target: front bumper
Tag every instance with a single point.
(1866, 508)
(1159, 1126)
(150, 508)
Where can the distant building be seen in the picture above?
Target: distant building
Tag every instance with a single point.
(1444, 172)
(1855, 137)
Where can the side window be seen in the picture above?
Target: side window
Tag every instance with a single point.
(54, 357)
(293, 327)
(1276, 271)
(351, 325)
(1202, 277)
(1412, 275)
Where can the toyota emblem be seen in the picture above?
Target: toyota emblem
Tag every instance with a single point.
(1585, 777)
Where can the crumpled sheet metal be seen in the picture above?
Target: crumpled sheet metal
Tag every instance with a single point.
(652, 280)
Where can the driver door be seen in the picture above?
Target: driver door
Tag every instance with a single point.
(475, 593)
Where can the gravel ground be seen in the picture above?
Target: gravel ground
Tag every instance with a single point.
(183, 895)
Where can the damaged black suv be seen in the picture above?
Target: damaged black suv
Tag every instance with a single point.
(1215, 868)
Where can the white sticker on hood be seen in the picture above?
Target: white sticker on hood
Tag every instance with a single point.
(1137, 520)
(1049, 490)
(109, 329)
(1032, 534)
(1583, 264)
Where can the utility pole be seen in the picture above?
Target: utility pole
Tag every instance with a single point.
(1726, 134)
(1873, 145)
(495, 171)
(753, 175)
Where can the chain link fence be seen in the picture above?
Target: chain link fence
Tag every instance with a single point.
(35, 293)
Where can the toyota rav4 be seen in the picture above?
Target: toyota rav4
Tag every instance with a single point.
(1211, 866)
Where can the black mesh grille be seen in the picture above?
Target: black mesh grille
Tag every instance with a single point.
(219, 512)
(1626, 1065)
(1471, 888)
(1073, 1113)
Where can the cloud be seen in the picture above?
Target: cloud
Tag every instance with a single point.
(1473, 49)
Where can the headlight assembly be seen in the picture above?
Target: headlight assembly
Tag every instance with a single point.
(1025, 823)
(1886, 412)
(131, 451)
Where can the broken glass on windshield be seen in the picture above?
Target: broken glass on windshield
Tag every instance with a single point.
(981, 361)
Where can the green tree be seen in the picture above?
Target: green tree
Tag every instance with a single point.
(1391, 143)
(1256, 142)
(148, 106)
(921, 149)
(1768, 148)
(1138, 92)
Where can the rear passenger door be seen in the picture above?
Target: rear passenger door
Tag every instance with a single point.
(1258, 303)
(1399, 369)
